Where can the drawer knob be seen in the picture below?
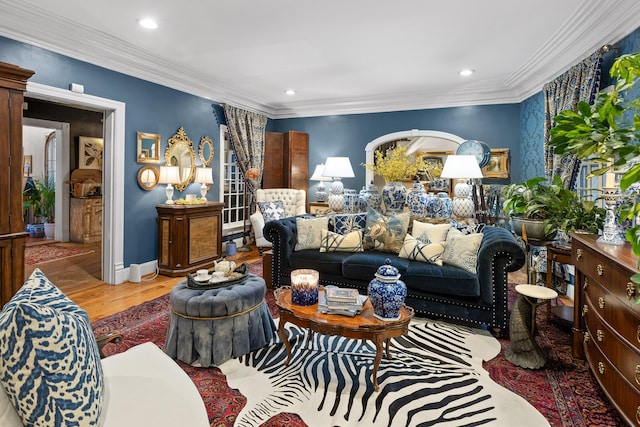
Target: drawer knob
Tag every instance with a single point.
(631, 290)
(638, 334)
(578, 254)
(600, 335)
(601, 302)
(585, 310)
(585, 285)
(600, 269)
(586, 338)
(601, 368)
(638, 374)
(638, 414)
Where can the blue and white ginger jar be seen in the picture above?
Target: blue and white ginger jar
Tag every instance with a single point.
(370, 198)
(394, 195)
(387, 292)
(417, 200)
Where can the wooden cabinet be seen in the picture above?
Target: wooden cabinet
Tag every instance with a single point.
(13, 83)
(273, 176)
(607, 320)
(189, 237)
(286, 160)
(85, 219)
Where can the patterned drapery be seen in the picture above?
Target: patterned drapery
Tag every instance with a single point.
(579, 83)
(247, 130)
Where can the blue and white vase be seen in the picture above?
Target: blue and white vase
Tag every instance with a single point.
(387, 292)
(351, 201)
(35, 230)
(370, 198)
(445, 206)
(394, 195)
(417, 200)
(432, 205)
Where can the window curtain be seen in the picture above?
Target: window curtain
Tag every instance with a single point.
(580, 83)
(247, 130)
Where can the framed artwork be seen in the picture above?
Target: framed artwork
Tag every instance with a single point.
(90, 153)
(498, 166)
(27, 165)
(434, 161)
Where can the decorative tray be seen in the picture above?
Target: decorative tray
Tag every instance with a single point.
(239, 275)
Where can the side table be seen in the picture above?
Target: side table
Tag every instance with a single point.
(523, 349)
(562, 256)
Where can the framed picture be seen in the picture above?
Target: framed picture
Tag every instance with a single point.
(431, 176)
(498, 166)
(90, 153)
(27, 165)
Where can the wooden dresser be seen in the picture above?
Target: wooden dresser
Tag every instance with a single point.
(85, 219)
(607, 322)
(189, 237)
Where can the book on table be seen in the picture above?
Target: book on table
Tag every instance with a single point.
(346, 295)
(327, 306)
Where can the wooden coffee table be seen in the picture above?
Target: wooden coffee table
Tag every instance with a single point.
(363, 326)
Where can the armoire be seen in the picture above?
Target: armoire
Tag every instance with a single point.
(286, 160)
(13, 83)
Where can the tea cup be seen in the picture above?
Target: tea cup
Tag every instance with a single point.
(202, 274)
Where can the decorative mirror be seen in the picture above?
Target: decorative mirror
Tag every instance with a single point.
(148, 177)
(206, 151)
(148, 147)
(180, 153)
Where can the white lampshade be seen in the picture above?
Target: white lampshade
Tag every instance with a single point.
(461, 166)
(169, 175)
(204, 176)
(338, 167)
(317, 174)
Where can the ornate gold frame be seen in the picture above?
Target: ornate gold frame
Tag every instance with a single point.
(181, 142)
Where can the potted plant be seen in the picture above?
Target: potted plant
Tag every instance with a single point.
(32, 200)
(40, 195)
(47, 188)
(608, 133)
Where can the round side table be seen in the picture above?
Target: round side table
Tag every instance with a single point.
(523, 349)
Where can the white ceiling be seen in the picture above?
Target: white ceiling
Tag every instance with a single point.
(341, 56)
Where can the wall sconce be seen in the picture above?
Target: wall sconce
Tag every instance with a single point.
(204, 176)
(169, 175)
(337, 168)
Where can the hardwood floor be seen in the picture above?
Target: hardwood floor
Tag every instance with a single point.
(77, 278)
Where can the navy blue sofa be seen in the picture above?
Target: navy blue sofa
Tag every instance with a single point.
(445, 292)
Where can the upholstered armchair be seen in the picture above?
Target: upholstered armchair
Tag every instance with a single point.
(294, 203)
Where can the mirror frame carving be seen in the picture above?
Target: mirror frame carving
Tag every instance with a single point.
(177, 140)
(205, 141)
(156, 173)
(156, 140)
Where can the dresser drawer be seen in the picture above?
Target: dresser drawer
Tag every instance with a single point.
(626, 359)
(618, 315)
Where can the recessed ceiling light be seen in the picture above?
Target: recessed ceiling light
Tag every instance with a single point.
(290, 92)
(467, 72)
(149, 23)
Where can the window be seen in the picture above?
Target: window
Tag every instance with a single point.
(231, 187)
(589, 188)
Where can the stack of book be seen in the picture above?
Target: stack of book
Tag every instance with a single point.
(343, 301)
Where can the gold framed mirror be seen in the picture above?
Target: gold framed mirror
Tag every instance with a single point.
(180, 153)
(148, 177)
(206, 151)
(148, 147)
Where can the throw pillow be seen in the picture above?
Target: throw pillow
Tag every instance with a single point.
(310, 232)
(468, 228)
(461, 250)
(415, 250)
(346, 223)
(350, 242)
(272, 211)
(50, 364)
(385, 233)
(430, 233)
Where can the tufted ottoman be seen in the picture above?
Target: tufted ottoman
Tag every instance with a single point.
(209, 327)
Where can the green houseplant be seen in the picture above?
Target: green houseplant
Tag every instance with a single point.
(608, 132)
(40, 195)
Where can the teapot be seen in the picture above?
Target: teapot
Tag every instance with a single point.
(225, 266)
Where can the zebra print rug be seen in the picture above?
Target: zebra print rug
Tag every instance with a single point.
(435, 378)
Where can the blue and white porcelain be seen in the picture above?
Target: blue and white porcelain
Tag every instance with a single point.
(35, 230)
(351, 201)
(394, 195)
(432, 205)
(370, 198)
(387, 292)
(445, 206)
(417, 200)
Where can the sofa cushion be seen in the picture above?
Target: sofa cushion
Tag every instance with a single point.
(385, 233)
(415, 250)
(346, 223)
(350, 242)
(310, 232)
(430, 233)
(461, 250)
(363, 266)
(49, 359)
(421, 277)
(272, 210)
(328, 262)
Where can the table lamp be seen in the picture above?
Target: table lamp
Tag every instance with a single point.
(169, 175)
(321, 194)
(337, 168)
(204, 176)
(462, 167)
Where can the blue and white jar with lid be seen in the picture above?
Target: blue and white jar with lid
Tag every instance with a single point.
(387, 292)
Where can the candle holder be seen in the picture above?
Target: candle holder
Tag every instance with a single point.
(304, 286)
(612, 231)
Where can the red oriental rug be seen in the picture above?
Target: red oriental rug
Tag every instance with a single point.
(40, 254)
(565, 392)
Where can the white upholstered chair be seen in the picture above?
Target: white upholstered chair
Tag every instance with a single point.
(294, 201)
